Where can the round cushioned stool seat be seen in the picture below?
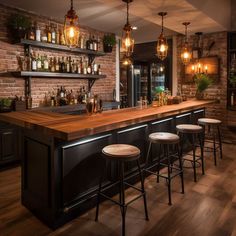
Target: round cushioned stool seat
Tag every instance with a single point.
(122, 152)
(209, 121)
(187, 128)
(164, 138)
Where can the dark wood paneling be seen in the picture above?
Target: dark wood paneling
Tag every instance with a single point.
(82, 166)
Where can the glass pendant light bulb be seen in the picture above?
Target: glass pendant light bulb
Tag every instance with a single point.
(71, 28)
(127, 39)
(185, 52)
(162, 45)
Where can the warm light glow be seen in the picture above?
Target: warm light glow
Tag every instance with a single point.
(206, 69)
(185, 54)
(71, 28)
(127, 42)
(162, 45)
(127, 61)
(71, 32)
(193, 68)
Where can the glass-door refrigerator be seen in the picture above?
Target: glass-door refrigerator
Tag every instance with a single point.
(157, 78)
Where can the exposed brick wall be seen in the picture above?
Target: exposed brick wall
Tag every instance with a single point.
(11, 86)
(233, 12)
(218, 90)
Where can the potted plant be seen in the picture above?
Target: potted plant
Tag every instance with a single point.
(18, 26)
(109, 40)
(232, 80)
(5, 104)
(202, 81)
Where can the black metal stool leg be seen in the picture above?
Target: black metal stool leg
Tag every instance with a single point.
(220, 142)
(214, 147)
(166, 147)
(158, 163)
(201, 143)
(123, 207)
(194, 158)
(180, 167)
(143, 190)
(147, 158)
(99, 190)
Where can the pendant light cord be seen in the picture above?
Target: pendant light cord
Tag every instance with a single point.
(186, 33)
(127, 12)
(71, 4)
(162, 24)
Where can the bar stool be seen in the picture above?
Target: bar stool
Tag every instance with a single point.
(122, 153)
(196, 132)
(165, 140)
(214, 126)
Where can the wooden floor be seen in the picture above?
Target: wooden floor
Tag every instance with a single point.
(207, 208)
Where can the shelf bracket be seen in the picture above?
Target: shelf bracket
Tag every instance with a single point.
(91, 59)
(91, 83)
(28, 86)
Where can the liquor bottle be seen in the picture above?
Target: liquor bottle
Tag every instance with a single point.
(31, 33)
(57, 36)
(37, 33)
(90, 43)
(95, 68)
(63, 65)
(99, 69)
(89, 69)
(33, 63)
(44, 37)
(62, 93)
(53, 33)
(52, 65)
(57, 65)
(67, 65)
(95, 44)
(39, 63)
(74, 66)
(49, 34)
(62, 38)
(81, 42)
(45, 63)
(85, 67)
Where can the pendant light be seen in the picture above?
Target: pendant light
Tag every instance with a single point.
(71, 28)
(162, 45)
(185, 51)
(127, 40)
(127, 61)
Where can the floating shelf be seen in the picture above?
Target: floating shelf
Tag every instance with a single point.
(59, 75)
(61, 48)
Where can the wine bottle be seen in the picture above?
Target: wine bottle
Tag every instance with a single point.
(31, 33)
(57, 66)
(38, 33)
(53, 33)
(63, 65)
(49, 34)
(33, 63)
(39, 63)
(45, 63)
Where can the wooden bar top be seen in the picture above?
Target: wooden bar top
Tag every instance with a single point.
(71, 127)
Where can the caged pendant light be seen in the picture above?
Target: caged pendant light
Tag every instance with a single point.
(162, 45)
(71, 28)
(185, 51)
(127, 39)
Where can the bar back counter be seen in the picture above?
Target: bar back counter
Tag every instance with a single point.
(61, 153)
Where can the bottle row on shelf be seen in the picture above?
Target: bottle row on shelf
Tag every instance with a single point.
(64, 97)
(43, 63)
(54, 34)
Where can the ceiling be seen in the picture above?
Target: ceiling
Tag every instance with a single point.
(109, 15)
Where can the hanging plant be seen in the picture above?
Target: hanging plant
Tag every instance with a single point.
(18, 25)
(109, 41)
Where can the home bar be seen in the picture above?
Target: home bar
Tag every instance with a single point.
(117, 117)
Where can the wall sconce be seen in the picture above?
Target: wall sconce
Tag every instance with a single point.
(205, 65)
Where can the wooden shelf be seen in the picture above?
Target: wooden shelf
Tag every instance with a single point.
(61, 48)
(59, 75)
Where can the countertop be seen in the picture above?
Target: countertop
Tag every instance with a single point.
(71, 127)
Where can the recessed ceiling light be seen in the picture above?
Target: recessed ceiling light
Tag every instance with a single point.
(134, 27)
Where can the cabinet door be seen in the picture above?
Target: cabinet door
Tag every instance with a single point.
(8, 144)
